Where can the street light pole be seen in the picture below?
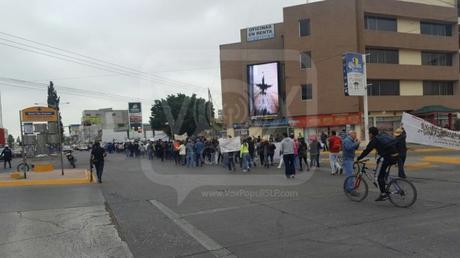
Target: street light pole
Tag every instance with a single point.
(60, 139)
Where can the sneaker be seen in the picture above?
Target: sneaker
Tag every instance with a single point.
(245, 171)
(292, 176)
(382, 197)
(403, 176)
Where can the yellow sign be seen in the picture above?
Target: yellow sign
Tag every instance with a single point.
(39, 114)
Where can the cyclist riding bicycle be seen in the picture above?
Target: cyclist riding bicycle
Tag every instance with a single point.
(386, 148)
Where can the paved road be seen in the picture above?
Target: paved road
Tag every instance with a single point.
(310, 217)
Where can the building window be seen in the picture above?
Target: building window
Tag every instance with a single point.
(383, 88)
(380, 23)
(438, 59)
(436, 29)
(305, 60)
(382, 56)
(438, 88)
(307, 92)
(304, 27)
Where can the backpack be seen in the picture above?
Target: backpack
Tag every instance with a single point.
(388, 147)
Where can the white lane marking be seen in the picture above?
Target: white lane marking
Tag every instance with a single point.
(217, 210)
(215, 248)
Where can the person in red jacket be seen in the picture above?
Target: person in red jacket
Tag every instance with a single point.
(335, 146)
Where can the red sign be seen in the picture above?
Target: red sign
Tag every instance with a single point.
(326, 120)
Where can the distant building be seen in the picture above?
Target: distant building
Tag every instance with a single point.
(96, 122)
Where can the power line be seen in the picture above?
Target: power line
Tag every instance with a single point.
(124, 69)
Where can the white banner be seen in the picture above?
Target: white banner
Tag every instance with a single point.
(422, 132)
(229, 144)
(178, 137)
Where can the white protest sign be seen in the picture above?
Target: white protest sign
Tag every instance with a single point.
(229, 144)
(422, 132)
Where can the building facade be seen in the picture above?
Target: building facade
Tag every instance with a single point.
(412, 52)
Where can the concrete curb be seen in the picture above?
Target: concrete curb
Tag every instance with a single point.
(54, 181)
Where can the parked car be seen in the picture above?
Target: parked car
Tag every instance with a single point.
(83, 147)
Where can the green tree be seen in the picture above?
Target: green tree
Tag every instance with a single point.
(53, 102)
(179, 114)
(10, 140)
(457, 124)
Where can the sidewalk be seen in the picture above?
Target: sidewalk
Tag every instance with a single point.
(70, 177)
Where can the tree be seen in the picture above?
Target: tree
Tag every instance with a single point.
(10, 140)
(457, 124)
(53, 102)
(179, 114)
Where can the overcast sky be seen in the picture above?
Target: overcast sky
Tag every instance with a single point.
(175, 39)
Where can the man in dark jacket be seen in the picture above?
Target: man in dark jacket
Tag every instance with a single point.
(401, 145)
(381, 143)
(97, 158)
(7, 155)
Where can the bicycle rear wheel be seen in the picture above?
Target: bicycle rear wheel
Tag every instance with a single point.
(358, 190)
(23, 167)
(403, 193)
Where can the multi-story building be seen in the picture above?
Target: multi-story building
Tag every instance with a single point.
(96, 123)
(412, 49)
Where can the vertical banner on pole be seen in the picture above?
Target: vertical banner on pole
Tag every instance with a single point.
(355, 81)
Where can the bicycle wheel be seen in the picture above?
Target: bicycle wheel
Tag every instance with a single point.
(359, 190)
(403, 193)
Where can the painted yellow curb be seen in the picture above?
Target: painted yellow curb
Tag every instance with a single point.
(43, 168)
(431, 150)
(57, 181)
(419, 165)
(446, 160)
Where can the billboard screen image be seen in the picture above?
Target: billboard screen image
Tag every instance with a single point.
(263, 89)
(135, 114)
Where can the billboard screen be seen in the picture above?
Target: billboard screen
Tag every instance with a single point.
(263, 82)
(135, 115)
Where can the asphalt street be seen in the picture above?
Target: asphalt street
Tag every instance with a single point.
(137, 212)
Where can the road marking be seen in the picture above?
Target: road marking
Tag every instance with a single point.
(445, 160)
(217, 210)
(215, 248)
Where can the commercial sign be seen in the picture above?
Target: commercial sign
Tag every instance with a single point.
(326, 120)
(135, 115)
(39, 114)
(354, 74)
(92, 120)
(422, 132)
(261, 32)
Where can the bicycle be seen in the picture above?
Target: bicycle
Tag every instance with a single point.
(402, 193)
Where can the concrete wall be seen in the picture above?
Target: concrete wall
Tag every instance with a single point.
(445, 3)
(411, 88)
(408, 26)
(410, 57)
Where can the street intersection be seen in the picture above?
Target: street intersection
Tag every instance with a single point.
(131, 215)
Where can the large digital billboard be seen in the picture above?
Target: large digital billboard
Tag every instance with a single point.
(263, 82)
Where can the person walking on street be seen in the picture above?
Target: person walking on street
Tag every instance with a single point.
(315, 149)
(350, 145)
(324, 141)
(7, 155)
(97, 158)
(287, 149)
(182, 153)
(190, 155)
(401, 145)
(335, 146)
(245, 156)
(303, 149)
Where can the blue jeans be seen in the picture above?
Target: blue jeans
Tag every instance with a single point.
(246, 161)
(289, 166)
(348, 170)
(190, 160)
